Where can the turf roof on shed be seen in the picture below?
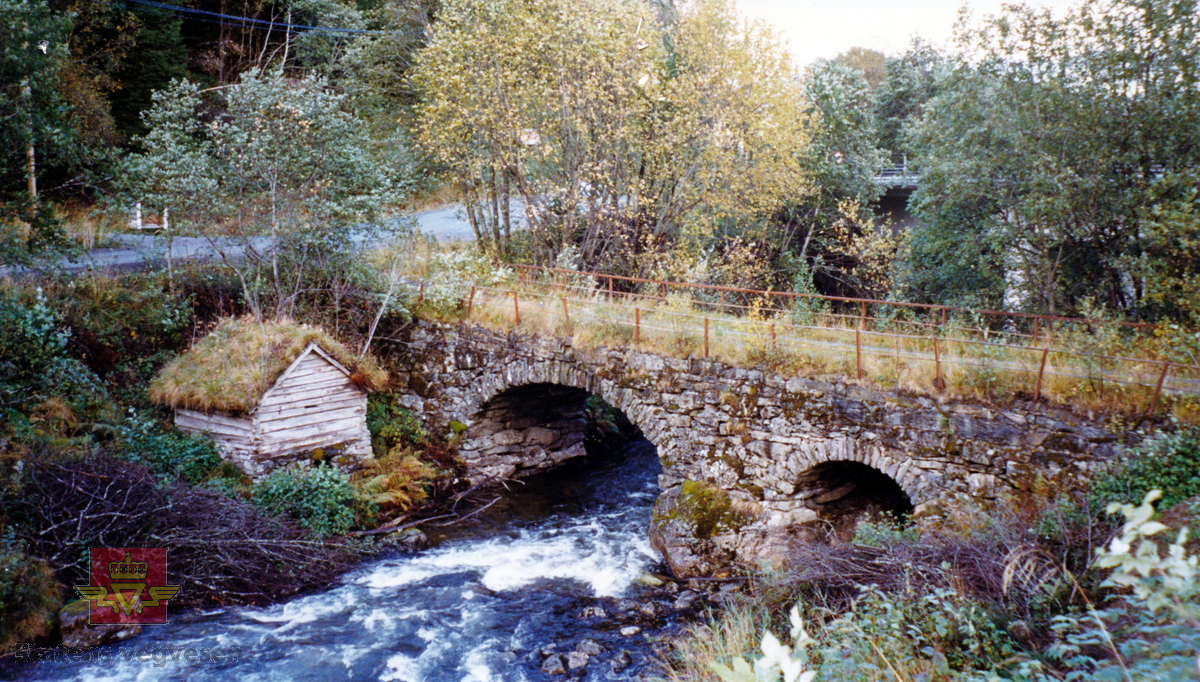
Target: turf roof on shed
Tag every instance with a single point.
(231, 368)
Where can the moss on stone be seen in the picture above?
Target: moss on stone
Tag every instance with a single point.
(708, 509)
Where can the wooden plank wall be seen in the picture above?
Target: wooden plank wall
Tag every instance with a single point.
(235, 437)
(315, 405)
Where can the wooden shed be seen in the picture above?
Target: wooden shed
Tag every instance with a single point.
(271, 393)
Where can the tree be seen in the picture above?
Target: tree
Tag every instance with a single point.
(157, 58)
(34, 126)
(272, 166)
(910, 80)
(872, 64)
(617, 130)
(1056, 136)
(834, 228)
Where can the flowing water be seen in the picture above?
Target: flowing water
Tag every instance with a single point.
(483, 603)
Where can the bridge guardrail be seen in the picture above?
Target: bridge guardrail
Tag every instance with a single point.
(935, 354)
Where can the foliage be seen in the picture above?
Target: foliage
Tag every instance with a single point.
(320, 498)
(884, 532)
(1147, 629)
(778, 659)
(231, 367)
(392, 425)
(277, 158)
(1171, 249)
(29, 594)
(911, 81)
(1169, 463)
(157, 57)
(448, 275)
(35, 362)
(171, 454)
(31, 339)
(222, 550)
(872, 64)
(616, 129)
(882, 635)
(32, 110)
(399, 480)
(1047, 143)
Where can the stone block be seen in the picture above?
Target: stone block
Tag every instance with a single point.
(507, 437)
(540, 435)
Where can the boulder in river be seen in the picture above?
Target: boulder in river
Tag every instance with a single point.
(77, 634)
(553, 665)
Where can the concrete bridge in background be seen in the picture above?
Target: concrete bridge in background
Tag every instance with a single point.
(752, 460)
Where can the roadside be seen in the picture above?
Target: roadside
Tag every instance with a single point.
(446, 224)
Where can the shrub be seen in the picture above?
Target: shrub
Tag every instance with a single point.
(29, 594)
(172, 454)
(29, 338)
(1170, 463)
(882, 637)
(321, 499)
(884, 532)
(222, 550)
(391, 425)
(1150, 629)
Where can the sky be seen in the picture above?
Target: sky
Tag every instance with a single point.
(824, 28)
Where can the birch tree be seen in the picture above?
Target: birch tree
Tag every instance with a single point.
(615, 127)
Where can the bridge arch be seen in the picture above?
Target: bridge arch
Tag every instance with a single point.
(523, 417)
(912, 481)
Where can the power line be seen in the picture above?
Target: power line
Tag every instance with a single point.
(248, 22)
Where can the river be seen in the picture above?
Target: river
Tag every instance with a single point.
(491, 599)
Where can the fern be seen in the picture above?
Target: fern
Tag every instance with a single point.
(397, 481)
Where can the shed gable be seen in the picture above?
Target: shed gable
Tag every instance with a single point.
(313, 404)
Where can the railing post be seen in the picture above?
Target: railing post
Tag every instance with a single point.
(567, 315)
(937, 363)
(1158, 389)
(772, 336)
(421, 297)
(706, 337)
(858, 354)
(1037, 391)
(516, 309)
(664, 292)
(637, 326)
(470, 301)
(862, 322)
(610, 288)
(1037, 323)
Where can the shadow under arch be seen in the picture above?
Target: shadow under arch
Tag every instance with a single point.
(534, 427)
(844, 493)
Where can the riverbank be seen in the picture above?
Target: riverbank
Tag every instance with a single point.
(557, 574)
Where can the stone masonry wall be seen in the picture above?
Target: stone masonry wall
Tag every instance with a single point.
(524, 429)
(737, 445)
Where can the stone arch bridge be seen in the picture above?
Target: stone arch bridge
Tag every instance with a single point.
(750, 458)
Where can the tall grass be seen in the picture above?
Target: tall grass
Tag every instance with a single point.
(89, 226)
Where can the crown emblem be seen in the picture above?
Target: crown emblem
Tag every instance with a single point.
(128, 569)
